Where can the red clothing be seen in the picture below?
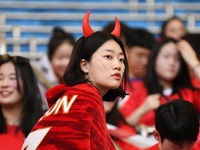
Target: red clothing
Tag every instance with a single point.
(132, 86)
(11, 140)
(195, 83)
(76, 121)
(139, 97)
(123, 129)
(155, 147)
(135, 84)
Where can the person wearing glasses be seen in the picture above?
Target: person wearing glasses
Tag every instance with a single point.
(76, 118)
(20, 101)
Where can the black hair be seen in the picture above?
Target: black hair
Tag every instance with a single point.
(32, 103)
(151, 78)
(58, 38)
(141, 38)
(177, 121)
(114, 116)
(84, 49)
(163, 28)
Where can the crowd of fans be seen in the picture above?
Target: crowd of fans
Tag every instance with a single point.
(159, 70)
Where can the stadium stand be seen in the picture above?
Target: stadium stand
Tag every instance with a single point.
(26, 26)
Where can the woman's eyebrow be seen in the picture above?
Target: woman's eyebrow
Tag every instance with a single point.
(112, 51)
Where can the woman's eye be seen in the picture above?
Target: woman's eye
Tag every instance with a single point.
(108, 56)
(122, 60)
(13, 78)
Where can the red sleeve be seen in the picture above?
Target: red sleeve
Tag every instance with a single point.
(196, 95)
(135, 100)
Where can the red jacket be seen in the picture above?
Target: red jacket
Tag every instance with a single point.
(137, 98)
(75, 121)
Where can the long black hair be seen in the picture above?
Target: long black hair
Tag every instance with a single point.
(151, 78)
(84, 49)
(32, 103)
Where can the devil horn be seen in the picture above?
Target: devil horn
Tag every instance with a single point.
(117, 28)
(87, 30)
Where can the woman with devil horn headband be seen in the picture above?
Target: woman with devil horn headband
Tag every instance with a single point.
(76, 118)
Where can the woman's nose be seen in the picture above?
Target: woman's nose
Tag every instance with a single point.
(4, 82)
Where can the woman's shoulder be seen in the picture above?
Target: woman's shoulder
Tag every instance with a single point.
(85, 89)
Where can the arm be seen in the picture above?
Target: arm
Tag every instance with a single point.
(189, 56)
(151, 102)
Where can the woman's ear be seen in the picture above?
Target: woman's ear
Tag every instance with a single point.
(157, 135)
(84, 66)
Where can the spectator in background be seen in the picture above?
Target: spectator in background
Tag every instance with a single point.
(167, 78)
(173, 28)
(114, 117)
(53, 65)
(177, 126)
(20, 101)
(139, 44)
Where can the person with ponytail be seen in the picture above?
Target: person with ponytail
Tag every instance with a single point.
(76, 118)
(53, 64)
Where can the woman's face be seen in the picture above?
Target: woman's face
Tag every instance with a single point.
(105, 70)
(9, 94)
(167, 63)
(61, 59)
(175, 29)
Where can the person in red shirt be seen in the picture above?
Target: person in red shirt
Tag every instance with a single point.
(139, 43)
(76, 118)
(20, 101)
(177, 126)
(167, 78)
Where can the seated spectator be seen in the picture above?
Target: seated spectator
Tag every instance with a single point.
(20, 101)
(177, 126)
(139, 44)
(167, 78)
(53, 65)
(173, 28)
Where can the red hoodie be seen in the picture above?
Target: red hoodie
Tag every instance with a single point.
(75, 121)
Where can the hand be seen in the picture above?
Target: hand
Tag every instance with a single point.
(152, 102)
(187, 52)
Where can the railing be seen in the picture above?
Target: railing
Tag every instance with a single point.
(132, 13)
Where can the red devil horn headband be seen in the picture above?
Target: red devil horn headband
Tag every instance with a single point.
(87, 30)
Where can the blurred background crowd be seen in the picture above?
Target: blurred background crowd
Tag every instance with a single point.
(45, 32)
